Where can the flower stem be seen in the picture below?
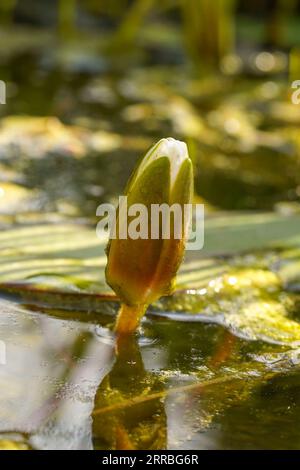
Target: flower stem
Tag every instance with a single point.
(128, 318)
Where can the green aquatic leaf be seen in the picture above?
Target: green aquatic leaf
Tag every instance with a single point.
(74, 253)
(70, 257)
(63, 266)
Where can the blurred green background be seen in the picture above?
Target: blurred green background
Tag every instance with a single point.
(92, 84)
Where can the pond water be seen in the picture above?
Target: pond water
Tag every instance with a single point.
(178, 385)
(216, 366)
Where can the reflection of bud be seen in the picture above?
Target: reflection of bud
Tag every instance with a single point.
(142, 270)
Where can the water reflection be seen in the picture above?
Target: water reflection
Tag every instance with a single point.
(124, 417)
(49, 381)
(176, 385)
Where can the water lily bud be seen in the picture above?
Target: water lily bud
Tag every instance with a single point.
(141, 266)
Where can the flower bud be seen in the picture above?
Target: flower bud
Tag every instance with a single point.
(142, 269)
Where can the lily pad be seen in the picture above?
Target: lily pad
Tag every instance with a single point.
(63, 266)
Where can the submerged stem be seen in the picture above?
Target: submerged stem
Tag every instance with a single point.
(128, 318)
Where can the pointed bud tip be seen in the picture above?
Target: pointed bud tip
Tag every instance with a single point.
(175, 150)
(172, 148)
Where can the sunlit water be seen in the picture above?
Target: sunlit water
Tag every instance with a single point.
(63, 387)
(204, 371)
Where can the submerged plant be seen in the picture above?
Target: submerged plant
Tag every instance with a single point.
(141, 270)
